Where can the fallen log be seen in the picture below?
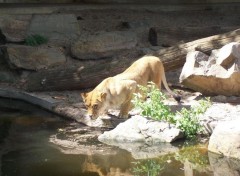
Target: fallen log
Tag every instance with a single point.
(73, 77)
(82, 77)
(170, 36)
(174, 57)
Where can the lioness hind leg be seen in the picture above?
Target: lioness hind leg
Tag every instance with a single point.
(158, 82)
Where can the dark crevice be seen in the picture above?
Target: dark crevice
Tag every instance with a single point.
(79, 18)
(125, 25)
(152, 37)
(165, 45)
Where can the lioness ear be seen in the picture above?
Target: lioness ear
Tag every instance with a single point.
(102, 96)
(84, 95)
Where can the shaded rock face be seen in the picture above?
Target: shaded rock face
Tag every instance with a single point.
(104, 44)
(7, 75)
(32, 58)
(2, 38)
(140, 129)
(226, 139)
(14, 28)
(61, 28)
(217, 74)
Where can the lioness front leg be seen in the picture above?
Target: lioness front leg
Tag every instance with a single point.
(128, 88)
(125, 108)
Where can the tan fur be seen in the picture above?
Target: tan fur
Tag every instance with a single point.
(116, 92)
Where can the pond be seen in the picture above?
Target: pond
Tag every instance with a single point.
(37, 144)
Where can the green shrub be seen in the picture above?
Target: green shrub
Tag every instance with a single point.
(189, 121)
(35, 40)
(153, 107)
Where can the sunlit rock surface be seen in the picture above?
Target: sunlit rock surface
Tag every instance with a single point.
(223, 166)
(226, 139)
(217, 74)
(140, 129)
(223, 109)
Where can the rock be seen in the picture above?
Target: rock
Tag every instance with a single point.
(74, 139)
(33, 58)
(218, 113)
(103, 44)
(215, 75)
(225, 139)
(14, 27)
(222, 166)
(143, 138)
(7, 76)
(140, 129)
(62, 28)
(228, 55)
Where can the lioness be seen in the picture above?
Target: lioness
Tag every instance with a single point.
(117, 92)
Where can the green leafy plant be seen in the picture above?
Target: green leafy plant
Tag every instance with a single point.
(35, 40)
(188, 120)
(153, 107)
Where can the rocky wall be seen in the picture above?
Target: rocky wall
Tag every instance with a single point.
(80, 37)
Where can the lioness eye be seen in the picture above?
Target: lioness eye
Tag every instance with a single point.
(95, 106)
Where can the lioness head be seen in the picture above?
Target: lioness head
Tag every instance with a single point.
(95, 103)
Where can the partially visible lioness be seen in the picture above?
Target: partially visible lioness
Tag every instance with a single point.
(117, 92)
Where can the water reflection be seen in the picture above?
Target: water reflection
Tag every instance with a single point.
(148, 167)
(223, 166)
(37, 144)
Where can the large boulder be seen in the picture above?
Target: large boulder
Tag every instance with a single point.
(33, 58)
(14, 27)
(215, 75)
(225, 139)
(6, 74)
(221, 110)
(59, 28)
(222, 166)
(104, 44)
(143, 138)
(140, 129)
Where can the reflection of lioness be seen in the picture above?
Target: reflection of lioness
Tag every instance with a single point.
(117, 91)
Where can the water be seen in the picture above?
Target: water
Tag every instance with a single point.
(42, 144)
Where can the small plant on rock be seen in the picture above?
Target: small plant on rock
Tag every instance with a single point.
(35, 40)
(188, 120)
